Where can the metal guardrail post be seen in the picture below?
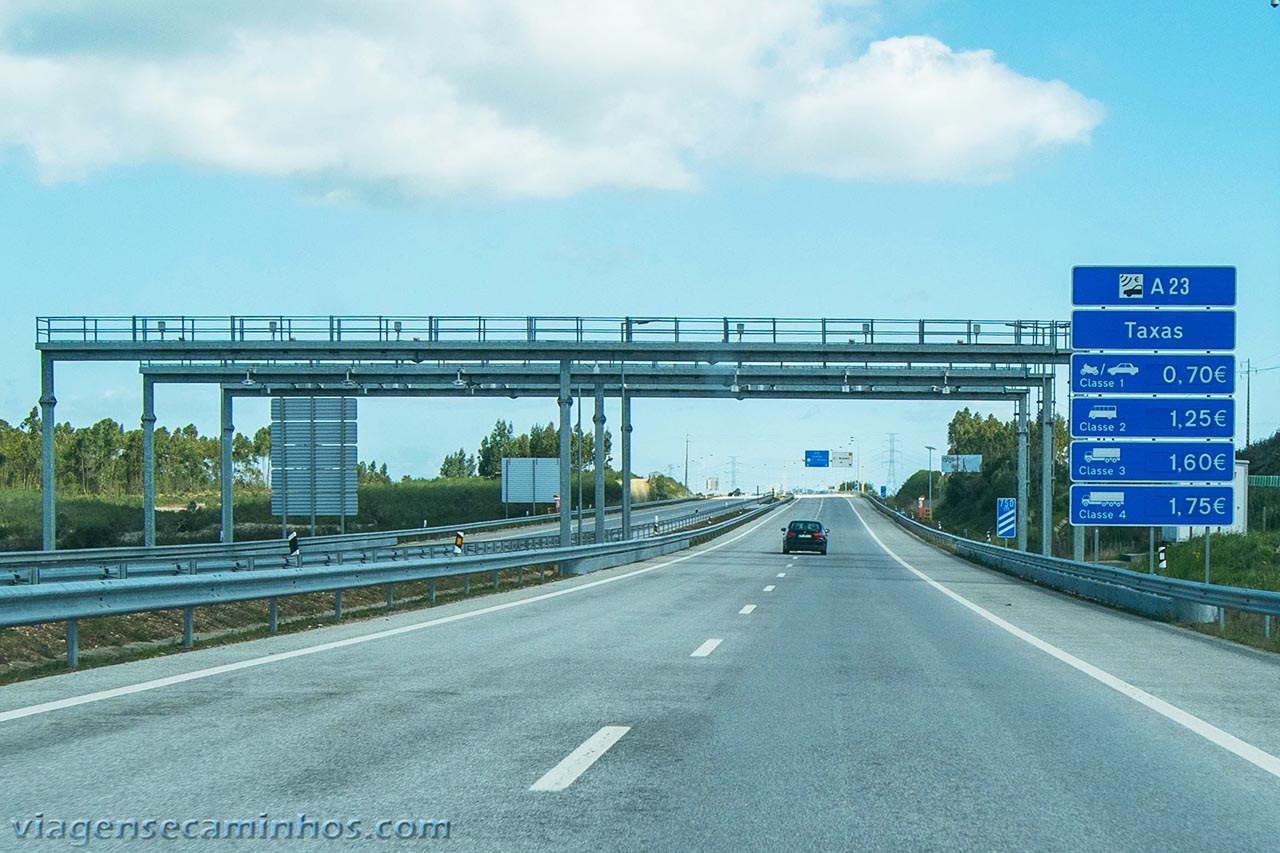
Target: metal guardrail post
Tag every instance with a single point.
(273, 622)
(337, 604)
(431, 590)
(391, 599)
(188, 627)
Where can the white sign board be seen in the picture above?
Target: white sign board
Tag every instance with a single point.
(961, 464)
(841, 459)
(530, 481)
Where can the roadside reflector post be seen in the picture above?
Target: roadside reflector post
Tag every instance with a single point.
(457, 542)
(73, 644)
(337, 604)
(391, 599)
(273, 621)
(431, 590)
(188, 632)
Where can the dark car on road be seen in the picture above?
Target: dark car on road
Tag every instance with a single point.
(805, 536)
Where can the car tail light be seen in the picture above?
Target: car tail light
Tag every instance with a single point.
(817, 536)
(791, 534)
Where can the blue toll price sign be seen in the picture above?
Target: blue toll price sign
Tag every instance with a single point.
(1152, 417)
(1152, 461)
(1105, 505)
(1148, 287)
(1116, 329)
(1113, 373)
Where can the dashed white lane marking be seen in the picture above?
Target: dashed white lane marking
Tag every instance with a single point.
(769, 588)
(782, 574)
(706, 648)
(275, 657)
(1206, 730)
(576, 763)
(746, 609)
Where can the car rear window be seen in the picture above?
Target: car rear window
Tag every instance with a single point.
(806, 526)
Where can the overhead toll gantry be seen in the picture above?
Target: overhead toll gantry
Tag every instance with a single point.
(620, 358)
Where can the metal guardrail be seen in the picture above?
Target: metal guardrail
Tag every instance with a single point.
(67, 602)
(33, 567)
(1091, 580)
(145, 329)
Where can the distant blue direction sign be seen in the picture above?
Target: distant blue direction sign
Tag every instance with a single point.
(1117, 329)
(1147, 287)
(1122, 373)
(817, 459)
(1006, 517)
(1152, 461)
(1106, 505)
(1152, 417)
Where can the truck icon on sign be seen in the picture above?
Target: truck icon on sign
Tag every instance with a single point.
(1103, 499)
(1102, 454)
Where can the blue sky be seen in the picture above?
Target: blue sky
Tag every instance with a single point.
(868, 159)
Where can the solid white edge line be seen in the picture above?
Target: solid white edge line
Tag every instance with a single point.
(746, 608)
(1259, 758)
(276, 657)
(576, 763)
(706, 648)
(769, 588)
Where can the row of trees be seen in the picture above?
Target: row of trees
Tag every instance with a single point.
(106, 459)
(540, 442)
(966, 501)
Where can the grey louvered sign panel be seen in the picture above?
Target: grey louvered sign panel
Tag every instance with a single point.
(530, 481)
(313, 456)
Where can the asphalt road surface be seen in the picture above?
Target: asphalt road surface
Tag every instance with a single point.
(886, 696)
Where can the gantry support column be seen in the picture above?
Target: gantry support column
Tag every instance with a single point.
(47, 479)
(626, 463)
(227, 474)
(1046, 468)
(1024, 403)
(566, 464)
(598, 464)
(148, 462)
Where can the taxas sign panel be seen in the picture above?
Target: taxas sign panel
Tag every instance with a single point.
(1152, 461)
(1117, 329)
(1110, 505)
(1152, 417)
(1133, 373)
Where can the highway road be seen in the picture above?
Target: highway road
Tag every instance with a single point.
(613, 520)
(886, 696)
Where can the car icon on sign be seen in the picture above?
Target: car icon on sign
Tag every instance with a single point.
(1088, 370)
(1124, 367)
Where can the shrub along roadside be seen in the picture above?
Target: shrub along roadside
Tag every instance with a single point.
(100, 522)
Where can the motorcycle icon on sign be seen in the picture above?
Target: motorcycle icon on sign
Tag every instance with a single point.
(1088, 370)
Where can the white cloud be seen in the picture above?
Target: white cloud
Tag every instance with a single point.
(511, 97)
